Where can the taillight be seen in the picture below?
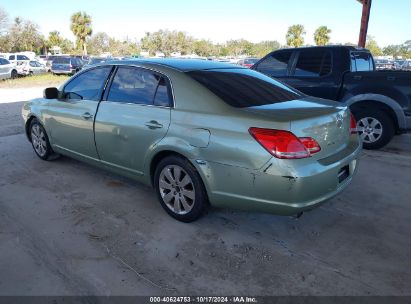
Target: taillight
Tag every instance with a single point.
(310, 144)
(284, 144)
(353, 124)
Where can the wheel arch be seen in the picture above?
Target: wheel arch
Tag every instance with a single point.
(27, 125)
(386, 104)
(158, 156)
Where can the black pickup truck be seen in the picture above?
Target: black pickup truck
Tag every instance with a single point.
(379, 100)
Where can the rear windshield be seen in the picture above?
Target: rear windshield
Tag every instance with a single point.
(242, 88)
(61, 60)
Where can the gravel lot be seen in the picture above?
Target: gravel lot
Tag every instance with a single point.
(70, 229)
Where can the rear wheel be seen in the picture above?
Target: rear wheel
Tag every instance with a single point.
(14, 74)
(180, 189)
(375, 128)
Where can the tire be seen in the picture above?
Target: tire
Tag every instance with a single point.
(182, 195)
(375, 128)
(40, 141)
(13, 74)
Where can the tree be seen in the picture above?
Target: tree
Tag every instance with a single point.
(4, 21)
(264, 47)
(99, 43)
(295, 35)
(81, 28)
(23, 35)
(322, 35)
(54, 39)
(167, 42)
(373, 47)
(204, 48)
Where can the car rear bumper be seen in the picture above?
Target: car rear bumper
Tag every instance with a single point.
(283, 187)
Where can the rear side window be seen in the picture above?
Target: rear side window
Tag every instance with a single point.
(313, 63)
(87, 85)
(244, 88)
(133, 85)
(275, 64)
(163, 96)
(361, 61)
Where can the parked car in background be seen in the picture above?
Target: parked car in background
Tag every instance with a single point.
(384, 64)
(34, 67)
(19, 61)
(7, 69)
(66, 65)
(379, 100)
(399, 65)
(247, 62)
(96, 60)
(200, 132)
(407, 65)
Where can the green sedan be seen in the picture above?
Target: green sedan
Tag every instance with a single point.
(200, 133)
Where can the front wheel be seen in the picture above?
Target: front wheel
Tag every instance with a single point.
(375, 128)
(40, 141)
(180, 189)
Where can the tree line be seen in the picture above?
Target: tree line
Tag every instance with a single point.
(24, 35)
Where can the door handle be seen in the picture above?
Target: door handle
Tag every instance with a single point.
(358, 77)
(152, 124)
(87, 115)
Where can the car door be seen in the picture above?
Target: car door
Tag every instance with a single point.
(70, 119)
(133, 116)
(312, 74)
(276, 65)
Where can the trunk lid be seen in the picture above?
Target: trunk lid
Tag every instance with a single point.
(325, 121)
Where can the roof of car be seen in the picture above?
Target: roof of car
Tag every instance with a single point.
(184, 65)
(331, 46)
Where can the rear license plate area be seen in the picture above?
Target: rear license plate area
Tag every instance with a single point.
(343, 174)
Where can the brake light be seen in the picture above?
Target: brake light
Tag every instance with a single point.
(310, 144)
(284, 144)
(353, 124)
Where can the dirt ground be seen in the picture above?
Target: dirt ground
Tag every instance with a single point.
(70, 229)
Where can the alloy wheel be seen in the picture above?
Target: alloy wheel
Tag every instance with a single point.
(177, 189)
(369, 129)
(38, 138)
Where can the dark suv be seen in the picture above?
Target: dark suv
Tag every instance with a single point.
(66, 65)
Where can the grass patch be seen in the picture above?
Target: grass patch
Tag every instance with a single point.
(43, 80)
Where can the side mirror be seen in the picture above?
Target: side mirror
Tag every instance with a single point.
(51, 93)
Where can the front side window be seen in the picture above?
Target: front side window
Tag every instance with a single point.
(361, 61)
(87, 85)
(244, 88)
(133, 85)
(12, 57)
(275, 64)
(313, 63)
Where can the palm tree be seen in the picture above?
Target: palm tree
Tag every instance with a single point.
(81, 28)
(322, 35)
(295, 35)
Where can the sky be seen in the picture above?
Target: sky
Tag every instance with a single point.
(222, 20)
